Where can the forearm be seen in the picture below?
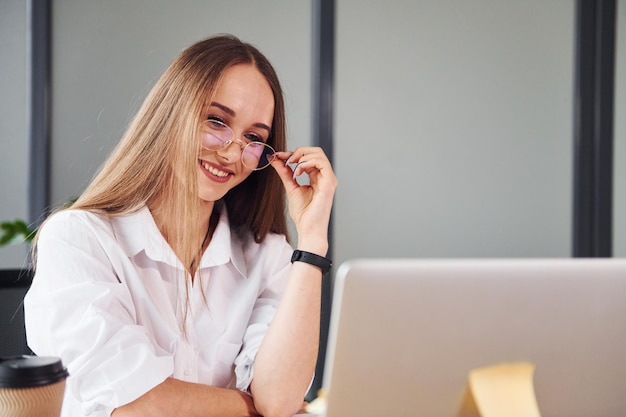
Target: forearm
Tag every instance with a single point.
(286, 359)
(179, 398)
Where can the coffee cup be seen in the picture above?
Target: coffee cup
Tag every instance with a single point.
(31, 386)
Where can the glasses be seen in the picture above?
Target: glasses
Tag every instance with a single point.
(255, 154)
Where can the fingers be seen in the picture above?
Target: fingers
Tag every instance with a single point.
(307, 160)
(309, 204)
(285, 172)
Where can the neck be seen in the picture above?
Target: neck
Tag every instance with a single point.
(206, 211)
(199, 235)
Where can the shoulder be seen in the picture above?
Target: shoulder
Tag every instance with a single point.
(75, 225)
(70, 219)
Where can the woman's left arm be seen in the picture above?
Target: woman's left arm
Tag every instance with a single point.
(286, 359)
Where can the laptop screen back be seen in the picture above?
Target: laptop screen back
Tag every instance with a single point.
(404, 334)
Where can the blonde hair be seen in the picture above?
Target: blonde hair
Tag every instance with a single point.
(155, 162)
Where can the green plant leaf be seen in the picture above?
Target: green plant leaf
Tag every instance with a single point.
(16, 231)
(8, 233)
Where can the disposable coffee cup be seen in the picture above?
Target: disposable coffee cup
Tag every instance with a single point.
(31, 386)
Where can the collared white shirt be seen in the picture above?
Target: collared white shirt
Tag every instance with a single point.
(109, 298)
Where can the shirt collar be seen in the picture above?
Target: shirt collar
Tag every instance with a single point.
(138, 232)
(224, 247)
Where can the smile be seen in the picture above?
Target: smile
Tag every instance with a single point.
(215, 171)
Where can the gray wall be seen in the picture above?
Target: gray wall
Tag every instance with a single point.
(453, 125)
(455, 128)
(13, 132)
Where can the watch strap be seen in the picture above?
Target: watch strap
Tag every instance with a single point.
(310, 258)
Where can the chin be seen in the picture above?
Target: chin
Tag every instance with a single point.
(209, 192)
(211, 197)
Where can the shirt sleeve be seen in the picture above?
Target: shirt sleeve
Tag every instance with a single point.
(79, 310)
(277, 253)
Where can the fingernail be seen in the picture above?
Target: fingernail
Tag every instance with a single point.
(296, 168)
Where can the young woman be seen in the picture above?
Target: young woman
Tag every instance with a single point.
(168, 288)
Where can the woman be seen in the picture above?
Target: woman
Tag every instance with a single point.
(167, 288)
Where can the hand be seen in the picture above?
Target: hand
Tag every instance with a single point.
(309, 205)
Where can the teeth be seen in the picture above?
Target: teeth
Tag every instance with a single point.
(215, 171)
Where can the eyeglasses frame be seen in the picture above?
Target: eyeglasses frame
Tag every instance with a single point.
(242, 144)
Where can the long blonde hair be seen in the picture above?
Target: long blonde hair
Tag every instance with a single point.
(160, 147)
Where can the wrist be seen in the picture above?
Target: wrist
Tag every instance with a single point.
(321, 262)
(313, 244)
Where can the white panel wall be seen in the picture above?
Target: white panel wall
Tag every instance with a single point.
(454, 128)
(14, 142)
(107, 54)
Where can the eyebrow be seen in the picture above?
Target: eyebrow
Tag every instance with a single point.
(232, 113)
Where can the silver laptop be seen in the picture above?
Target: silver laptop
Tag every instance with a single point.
(404, 334)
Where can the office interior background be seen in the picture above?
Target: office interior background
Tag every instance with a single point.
(452, 120)
(452, 125)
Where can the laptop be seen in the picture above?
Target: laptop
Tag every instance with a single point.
(405, 334)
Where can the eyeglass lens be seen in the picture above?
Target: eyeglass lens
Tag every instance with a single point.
(254, 155)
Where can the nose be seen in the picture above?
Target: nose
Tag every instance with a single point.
(232, 153)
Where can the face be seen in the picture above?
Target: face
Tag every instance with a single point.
(243, 101)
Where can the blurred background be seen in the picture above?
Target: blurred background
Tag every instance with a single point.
(452, 120)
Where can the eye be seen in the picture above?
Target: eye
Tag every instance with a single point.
(216, 123)
(253, 137)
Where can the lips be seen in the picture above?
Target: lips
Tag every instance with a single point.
(214, 172)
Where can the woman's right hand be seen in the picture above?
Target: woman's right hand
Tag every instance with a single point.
(309, 205)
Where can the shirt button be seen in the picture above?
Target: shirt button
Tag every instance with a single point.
(187, 372)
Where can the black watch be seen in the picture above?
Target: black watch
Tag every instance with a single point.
(310, 258)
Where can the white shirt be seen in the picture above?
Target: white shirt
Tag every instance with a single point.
(109, 299)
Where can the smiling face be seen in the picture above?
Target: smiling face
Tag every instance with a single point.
(243, 101)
